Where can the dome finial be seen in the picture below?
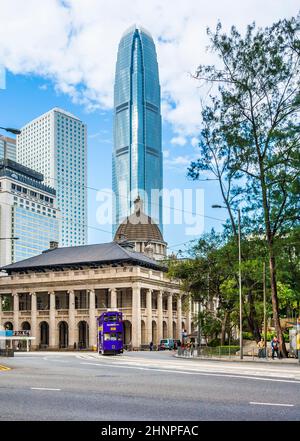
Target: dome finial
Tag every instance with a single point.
(138, 205)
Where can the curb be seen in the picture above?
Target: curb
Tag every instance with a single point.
(269, 361)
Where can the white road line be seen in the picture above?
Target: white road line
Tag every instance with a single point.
(43, 388)
(271, 404)
(207, 374)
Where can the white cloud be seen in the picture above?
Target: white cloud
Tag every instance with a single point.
(74, 43)
(178, 162)
(179, 140)
(195, 142)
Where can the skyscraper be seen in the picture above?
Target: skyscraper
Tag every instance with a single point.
(27, 211)
(7, 148)
(137, 155)
(54, 144)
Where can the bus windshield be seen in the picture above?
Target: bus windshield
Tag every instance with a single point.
(111, 318)
(112, 337)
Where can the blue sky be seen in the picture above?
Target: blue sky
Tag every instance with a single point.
(27, 96)
(62, 54)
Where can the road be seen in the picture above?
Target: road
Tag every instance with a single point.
(145, 386)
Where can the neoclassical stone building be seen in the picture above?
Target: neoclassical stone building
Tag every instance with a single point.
(58, 294)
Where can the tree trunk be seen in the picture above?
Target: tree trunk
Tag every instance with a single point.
(252, 320)
(270, 240)
(223, 329)
(275, 306)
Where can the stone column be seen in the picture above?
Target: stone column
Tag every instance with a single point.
(179, 317)
(72, 325)
(136, 316)
(149, 314)
(113, 298)
(52, 327)
(189, 317)
(16, 310)
(170, 315)
(159, 316)
(34, 332)
(92, 315)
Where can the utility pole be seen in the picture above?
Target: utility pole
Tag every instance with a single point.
(240, 286)
(199, 329)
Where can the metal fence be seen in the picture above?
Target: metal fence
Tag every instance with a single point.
(211, 352)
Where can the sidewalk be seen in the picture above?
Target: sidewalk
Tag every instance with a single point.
(246, 359)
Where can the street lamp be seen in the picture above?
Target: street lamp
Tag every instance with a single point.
(240, 276)
(9, 238)
(14, 131)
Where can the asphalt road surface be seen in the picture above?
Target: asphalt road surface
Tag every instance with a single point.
(145, 386)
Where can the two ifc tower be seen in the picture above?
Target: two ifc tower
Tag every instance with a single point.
(137, 174)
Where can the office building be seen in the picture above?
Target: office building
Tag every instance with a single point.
(137, 154)
(27, 212)
(55, 145)
(7, 148)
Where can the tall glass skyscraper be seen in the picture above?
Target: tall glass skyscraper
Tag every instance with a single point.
(137, 154)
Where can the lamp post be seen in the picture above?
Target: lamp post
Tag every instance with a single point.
(240, 277)
(9, 238)
(14, 131)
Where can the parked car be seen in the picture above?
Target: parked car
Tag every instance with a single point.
(166, 343)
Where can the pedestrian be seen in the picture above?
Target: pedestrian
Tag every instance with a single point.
(151, 346)
(275, 347)
(192, 349)
(188, 349)
(261, 347)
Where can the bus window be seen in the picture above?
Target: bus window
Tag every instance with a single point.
(111, 318)
(113, 337)
(120, 336)
(106, 336)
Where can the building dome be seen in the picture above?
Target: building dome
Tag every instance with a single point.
(142, 231)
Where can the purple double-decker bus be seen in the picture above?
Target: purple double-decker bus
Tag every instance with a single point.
(110, 333)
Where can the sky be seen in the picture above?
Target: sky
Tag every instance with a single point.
(63, 54)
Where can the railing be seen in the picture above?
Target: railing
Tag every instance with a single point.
(82, 311)
(7, 313)
(210, 352)
(62, 312)
(44, 312)
(25, 313)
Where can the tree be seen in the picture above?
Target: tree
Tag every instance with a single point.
(257, 120)
(210, 275)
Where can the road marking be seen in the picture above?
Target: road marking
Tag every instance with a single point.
(271, 404)
(43, 388)
(4, 368)
(173, 371)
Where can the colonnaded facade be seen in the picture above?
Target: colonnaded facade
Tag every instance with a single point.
(58, 295)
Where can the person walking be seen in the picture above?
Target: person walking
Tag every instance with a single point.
(275, 347)
(192, 349)
(151, 345)
(261, 347)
